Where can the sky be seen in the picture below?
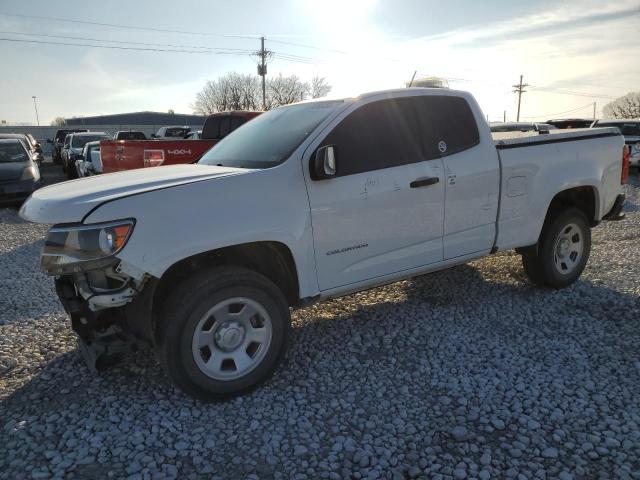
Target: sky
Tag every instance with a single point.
(572, 54)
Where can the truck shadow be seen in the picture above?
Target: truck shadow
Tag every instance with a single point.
(449, 306)
(473, 332)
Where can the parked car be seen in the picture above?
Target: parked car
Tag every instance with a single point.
(58, 142)
(521, 127)
(127, 155)
(631, 131)
(567, 123)
(89, 162)
(171, 132)
(32, 148)
(72, 149)
(36, 148)
(19, 173)
(129, 135)
(313, 201)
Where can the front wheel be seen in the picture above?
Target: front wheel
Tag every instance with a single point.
(563, 250)
(223, 332)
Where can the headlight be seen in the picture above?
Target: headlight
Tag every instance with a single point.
(69, 249)
(30, 173)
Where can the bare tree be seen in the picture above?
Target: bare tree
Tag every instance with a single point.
(233, 91)
(58, 122)
(237, 91)
(319, 87)
(624, 107)
(285, 90)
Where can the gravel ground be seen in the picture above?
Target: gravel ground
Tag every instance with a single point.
(467, 373)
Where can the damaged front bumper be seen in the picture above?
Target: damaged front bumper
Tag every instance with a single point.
(110, 312)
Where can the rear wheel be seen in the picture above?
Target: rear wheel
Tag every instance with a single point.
(223, 332)
(563, 250)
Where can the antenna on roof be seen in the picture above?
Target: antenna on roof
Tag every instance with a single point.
(412, 78)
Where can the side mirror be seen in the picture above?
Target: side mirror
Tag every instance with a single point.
(49, 140)
(323, 163)
(153, 135)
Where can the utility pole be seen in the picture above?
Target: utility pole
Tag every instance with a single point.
(262, 70)
(519, 89)
(35, 105)
(594, 110)
(504, 116)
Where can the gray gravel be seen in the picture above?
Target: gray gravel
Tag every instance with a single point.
(466, 373)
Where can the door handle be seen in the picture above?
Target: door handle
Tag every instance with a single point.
(424, 182)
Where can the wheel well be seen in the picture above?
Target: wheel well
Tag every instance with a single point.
(582, 198)
(271, 259)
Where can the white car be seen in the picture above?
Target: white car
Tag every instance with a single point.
(631, 131)
(307, 202)
(73, 146)
(89, 162)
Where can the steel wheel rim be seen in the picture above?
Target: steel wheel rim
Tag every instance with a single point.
(568, 249)
(232, 338)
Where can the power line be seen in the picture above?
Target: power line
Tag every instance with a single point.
(200, 50)
(126, 42)
(571, 92)
(131, 27)
(551, 115)
(314, 47)
(116, 47)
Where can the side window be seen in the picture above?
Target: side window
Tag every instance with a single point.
(67, 141)
(225, 126)
(211, 128)
(236, 122)
(377, 135)
(448, 124)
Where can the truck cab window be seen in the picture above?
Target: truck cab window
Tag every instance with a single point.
(377, 135)
(211, 128)
(225, 126)
(236, 122)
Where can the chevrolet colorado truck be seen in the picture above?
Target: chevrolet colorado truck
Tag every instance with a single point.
(118, 155)
(307, 202)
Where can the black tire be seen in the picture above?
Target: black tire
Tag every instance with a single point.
(185, 308)
(541, 267)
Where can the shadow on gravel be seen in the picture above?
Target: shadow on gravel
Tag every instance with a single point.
(472, 346)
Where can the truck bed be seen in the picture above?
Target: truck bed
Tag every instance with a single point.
(534, 167)
(523, 139)
(118, 155)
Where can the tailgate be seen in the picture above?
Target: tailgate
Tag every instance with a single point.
(119, 155)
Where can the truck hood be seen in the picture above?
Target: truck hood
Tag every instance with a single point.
(70, 202)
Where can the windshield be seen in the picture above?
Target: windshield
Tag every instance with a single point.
(12, 152)
(267, 140)
(628, 129)
(79, 141)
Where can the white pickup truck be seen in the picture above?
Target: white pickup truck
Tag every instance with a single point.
(307, 202)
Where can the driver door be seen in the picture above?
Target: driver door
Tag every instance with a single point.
(383, 211)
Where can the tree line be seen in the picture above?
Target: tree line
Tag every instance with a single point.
(240, 91)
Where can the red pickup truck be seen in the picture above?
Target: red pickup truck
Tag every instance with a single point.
(117, 155)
